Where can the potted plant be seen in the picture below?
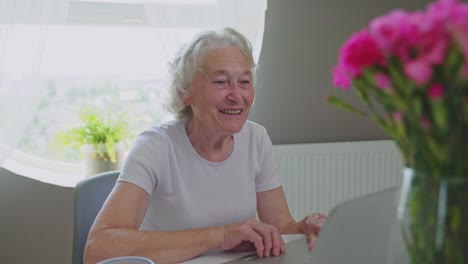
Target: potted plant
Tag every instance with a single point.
(101, 139)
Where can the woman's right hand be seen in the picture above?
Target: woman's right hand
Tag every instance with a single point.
(265, 238)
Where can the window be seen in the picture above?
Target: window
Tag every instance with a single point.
(112, 67)
(110, 54)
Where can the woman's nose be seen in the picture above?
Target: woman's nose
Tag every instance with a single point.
(234, 92)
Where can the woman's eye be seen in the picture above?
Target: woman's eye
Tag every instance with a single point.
(245, 84)
(220, 81)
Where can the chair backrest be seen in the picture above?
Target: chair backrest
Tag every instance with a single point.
(89, 197)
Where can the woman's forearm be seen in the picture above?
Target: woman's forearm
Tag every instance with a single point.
(162, 247)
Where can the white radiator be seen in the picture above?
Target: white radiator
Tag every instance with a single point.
(318, 176)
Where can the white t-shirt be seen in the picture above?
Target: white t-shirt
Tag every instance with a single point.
(188, 191)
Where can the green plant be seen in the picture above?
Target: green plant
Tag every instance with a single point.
(98, 129)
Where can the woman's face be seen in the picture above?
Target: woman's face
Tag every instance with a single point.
(221, 92)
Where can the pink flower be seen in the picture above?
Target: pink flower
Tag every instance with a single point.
(435, 50)
(387, 30)
(443, 11)
(382, 81)
(399, 33)
(435, 91)
(439, 11)
(416, 38)
(359, 52)
(452, 16)
(420, 71)
(340, 78)
(414, 28)
(459, 29)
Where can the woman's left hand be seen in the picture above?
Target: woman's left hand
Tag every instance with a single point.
(313, 224)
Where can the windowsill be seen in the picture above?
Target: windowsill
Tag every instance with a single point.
(64, 174)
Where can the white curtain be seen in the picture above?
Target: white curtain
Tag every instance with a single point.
(24, 23)
(177, 21)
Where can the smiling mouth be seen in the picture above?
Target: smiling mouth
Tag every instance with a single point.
(231, 112)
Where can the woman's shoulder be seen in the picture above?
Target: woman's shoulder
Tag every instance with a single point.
(253, 134)
(160, 134)
(162, 130)
(253, 128)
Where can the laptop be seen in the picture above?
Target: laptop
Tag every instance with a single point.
(356, 231)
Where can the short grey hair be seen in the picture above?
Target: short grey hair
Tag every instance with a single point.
(185, 64)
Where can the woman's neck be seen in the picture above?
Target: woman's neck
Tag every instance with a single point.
(210, 145)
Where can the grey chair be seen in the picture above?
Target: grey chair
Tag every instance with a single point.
(89, 197)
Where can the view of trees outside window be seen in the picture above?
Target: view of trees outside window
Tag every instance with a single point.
(141, 101)
(112, 68)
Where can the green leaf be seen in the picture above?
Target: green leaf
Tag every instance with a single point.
(399, 79)
(343, 105)
(98, 129)
(453, 63)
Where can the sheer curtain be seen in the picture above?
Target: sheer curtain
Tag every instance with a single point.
(21, 85)
(177, 21)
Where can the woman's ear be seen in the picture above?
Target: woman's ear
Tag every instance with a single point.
(186, 101)
(185, 97)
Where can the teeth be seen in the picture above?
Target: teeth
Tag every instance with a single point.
(231, 112)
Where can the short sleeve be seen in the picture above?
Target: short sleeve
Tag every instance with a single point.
(146, 161)
(268, 178)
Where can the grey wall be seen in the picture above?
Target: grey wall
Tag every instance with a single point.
(300, 46)
(36, 221)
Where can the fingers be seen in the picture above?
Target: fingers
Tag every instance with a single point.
(272, 241)
(257, 240)
(311, 238)
(266, 238)
(314, 222)
(278, 242)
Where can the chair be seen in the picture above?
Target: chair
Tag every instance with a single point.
(89, 197)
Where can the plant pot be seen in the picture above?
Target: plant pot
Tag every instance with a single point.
(94, 163)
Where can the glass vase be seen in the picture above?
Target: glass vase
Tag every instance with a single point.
(433, 218)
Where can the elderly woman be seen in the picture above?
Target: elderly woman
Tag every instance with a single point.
(195, 184)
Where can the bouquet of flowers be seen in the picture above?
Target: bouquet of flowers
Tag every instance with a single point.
(410, 70)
